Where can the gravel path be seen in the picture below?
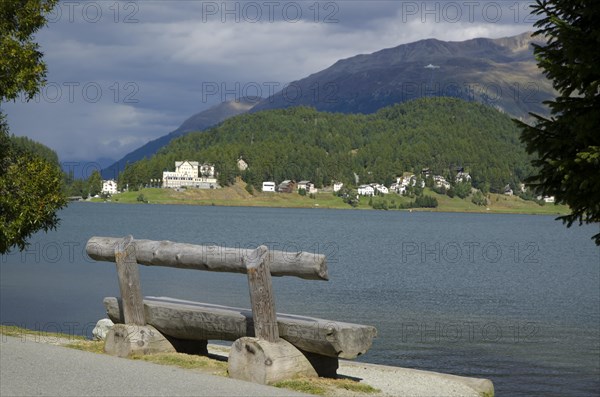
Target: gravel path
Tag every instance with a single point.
(39, 369)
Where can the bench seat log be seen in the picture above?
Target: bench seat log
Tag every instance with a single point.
(189, 320)
(305, 265)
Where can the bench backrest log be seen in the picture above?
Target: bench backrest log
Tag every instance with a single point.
(259, 264)
(213, 258)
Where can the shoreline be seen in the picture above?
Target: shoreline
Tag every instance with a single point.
(429, 210)
(394, 381)
(233, 197)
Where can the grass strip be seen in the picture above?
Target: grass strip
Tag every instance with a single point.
(325, 386)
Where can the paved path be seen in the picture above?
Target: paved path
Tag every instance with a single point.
(37, 369)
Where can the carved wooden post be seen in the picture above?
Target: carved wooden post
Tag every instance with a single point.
(134, 336)
(261, 295)
(128, 273)
(266, 358)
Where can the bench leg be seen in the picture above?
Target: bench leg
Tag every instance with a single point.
(124, 340)
(259, 361)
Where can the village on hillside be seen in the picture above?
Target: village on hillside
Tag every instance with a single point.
(193, 174)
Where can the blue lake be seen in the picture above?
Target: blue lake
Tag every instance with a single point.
(512, 298)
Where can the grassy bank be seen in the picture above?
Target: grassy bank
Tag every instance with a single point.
(237, 195)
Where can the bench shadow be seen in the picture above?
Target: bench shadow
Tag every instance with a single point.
(217, 357)
(352, 378)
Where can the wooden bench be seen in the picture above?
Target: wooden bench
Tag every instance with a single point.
(268, 346)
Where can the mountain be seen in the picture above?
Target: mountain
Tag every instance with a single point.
(197, 122)
(498, 72)
(304, 144)
(501, 73)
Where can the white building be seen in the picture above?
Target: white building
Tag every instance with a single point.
(405, 180)
(380, 188)
(192, 174)
(440, 181)
(308, 186)
(337, 186)
(366, 190)
(268, 187)
(549, 199)
(463, 177)
(409, 180)
(398, 188)
(522, 187)
(109, 187)
(242, 165)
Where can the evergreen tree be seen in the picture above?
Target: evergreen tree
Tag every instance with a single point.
(567, 145)
(94, 183)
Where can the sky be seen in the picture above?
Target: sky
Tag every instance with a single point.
(121, 73)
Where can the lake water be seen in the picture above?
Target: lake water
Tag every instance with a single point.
(512, 298)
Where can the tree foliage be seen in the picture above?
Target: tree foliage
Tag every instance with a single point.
(567, 145)
(479, 198)
(21, 65)
(23, 145)
(94, 183)
(30, 194)
(462, 189)
(30, 178)
(426, 202)
(4, 145)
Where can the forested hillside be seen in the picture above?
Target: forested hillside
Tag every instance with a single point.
(23, 144)
(304, 144)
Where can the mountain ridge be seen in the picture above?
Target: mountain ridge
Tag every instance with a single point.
(498, 72)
